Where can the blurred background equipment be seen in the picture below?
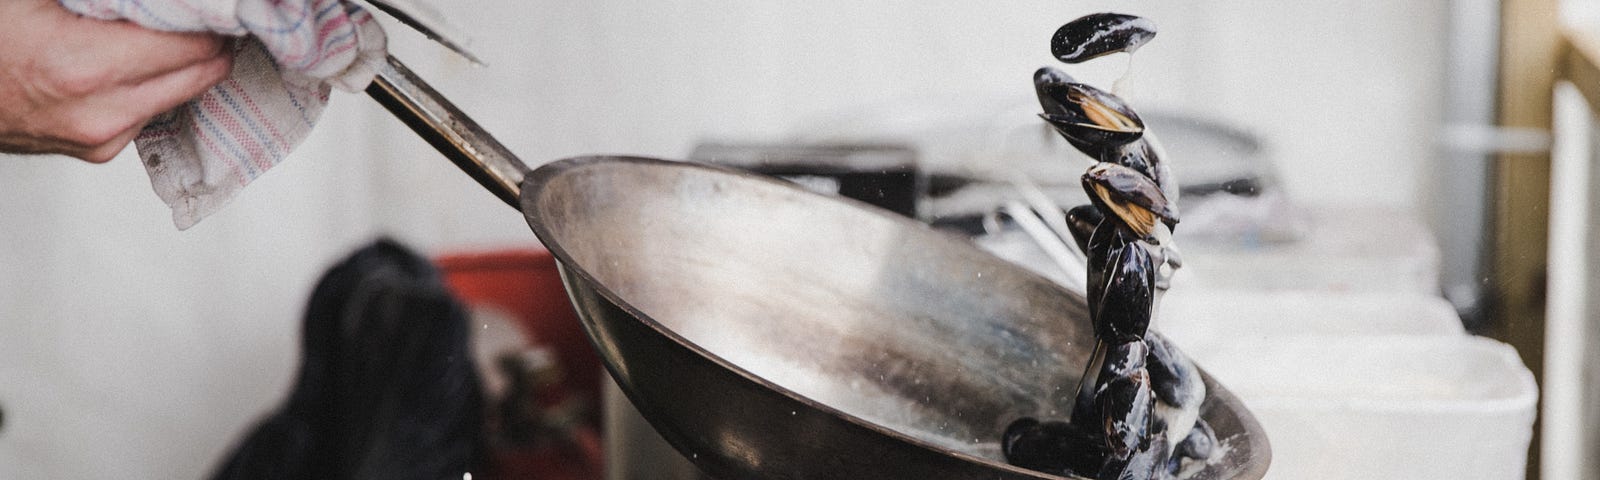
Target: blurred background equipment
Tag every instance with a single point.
(541, 376)
(386, 387)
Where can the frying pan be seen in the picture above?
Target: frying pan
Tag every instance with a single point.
(771, 333)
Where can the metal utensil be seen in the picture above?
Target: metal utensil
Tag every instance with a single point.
(772, 333)
(421, 16)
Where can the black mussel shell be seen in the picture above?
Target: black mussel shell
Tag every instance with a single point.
(1092, 119)
(1129, 196)
(1081, 221)
(1100, 34)
(1050, 84)
(1125, 408)
(1143, 156)
(1057, 448)
(1099, 257)
(1144, 464)
(1120, 303)
(1093, 140)
(1123, 359)
(1172, 373)
(1135, 155)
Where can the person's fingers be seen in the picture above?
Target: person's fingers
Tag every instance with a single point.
(105, 152)
(162, 93)
(31, 145)
(147, 53)
(96, 52)
(99, 119)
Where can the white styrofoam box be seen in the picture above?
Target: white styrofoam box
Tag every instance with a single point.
(1385, 407)
(1200, 320)
(1351, 249)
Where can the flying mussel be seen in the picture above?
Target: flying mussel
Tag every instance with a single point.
(1093, 120)
(1100, 34)
(1130, 195)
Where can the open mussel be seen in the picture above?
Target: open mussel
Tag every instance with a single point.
(1093, 120)
(1133, 198)
(1144, 156)
(1100, 34)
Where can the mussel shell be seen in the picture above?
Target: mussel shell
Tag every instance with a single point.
(1143, 155)
(1100, 34)
(1123, 359)
(1092, 119)
(1091, 139)
(1142, 465)
(1053, 447)
(1172, 374)
(1126, 406)
(1050, 84)
(1122, 296)
(1081, 221)
(1099, 267)
(1113, 187)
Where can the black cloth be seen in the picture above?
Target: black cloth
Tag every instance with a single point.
(386, 389)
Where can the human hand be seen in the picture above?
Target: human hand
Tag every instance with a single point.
(84, 87)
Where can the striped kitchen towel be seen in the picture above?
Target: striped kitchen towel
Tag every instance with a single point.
(291, 53)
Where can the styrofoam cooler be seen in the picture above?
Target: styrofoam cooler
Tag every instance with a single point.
(1338, 407)
(1354, 249)
(1200, 319)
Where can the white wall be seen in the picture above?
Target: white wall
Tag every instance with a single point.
(130, 350)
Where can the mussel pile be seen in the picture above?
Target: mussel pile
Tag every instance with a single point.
(1136, 415)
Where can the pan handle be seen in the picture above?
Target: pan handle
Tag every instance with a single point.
(449, 130)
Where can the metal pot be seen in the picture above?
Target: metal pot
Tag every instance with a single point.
(772, 333)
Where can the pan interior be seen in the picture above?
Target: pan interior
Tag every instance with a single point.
(867, 313)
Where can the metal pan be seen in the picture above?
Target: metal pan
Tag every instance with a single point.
(771, 333)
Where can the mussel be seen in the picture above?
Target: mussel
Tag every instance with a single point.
(1121, 300)
(1126, 409)
(1133, 198)
(1081, 221)
(1091, 119)
(1144, 156)
(1174, 376)
(1150, 460)
(1100, 34)
(1053, 447)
